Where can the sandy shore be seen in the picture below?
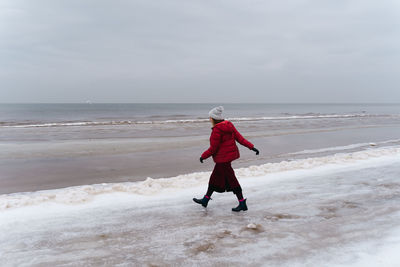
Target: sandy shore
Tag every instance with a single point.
(38, 165)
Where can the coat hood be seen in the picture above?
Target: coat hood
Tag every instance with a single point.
(224, 126)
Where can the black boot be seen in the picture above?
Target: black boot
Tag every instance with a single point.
(242, 206)
(203, 201)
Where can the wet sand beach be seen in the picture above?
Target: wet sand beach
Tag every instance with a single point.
(48, 164)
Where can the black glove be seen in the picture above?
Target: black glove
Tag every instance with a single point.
(201, 159)
(255, 150)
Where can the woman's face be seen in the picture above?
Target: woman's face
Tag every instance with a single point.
(211, 120)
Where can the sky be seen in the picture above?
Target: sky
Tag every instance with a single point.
(199, 51)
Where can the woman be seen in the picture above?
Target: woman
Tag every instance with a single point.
(223, 149)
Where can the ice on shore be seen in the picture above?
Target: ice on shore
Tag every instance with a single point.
(340, 210)
(86, 193)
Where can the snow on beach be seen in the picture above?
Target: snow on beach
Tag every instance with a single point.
(339, 210)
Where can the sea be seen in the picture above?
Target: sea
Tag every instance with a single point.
(112, 185)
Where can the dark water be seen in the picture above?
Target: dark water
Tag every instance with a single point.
(27, 114)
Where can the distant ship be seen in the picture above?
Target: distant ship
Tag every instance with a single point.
(88, 102)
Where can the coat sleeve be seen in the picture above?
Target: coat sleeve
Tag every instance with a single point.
(215, 140)
(241, 139)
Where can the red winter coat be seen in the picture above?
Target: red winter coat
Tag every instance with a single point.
(223, 143)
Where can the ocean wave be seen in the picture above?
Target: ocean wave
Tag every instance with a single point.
(342, 148)
(314, 116)
(196, 120)
(85, 193)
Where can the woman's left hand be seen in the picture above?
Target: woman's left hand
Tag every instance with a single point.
(255, 150)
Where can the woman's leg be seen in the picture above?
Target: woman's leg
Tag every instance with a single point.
(238, 192)
(210, 191)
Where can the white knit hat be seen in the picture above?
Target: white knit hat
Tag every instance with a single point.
(216, 113)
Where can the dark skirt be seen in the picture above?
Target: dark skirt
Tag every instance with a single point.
(223, 178)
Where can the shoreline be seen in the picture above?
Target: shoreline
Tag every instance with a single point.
(37, 158)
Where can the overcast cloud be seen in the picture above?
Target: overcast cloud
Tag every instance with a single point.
(200, 51)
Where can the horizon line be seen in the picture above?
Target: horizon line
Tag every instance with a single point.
(269, 103)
